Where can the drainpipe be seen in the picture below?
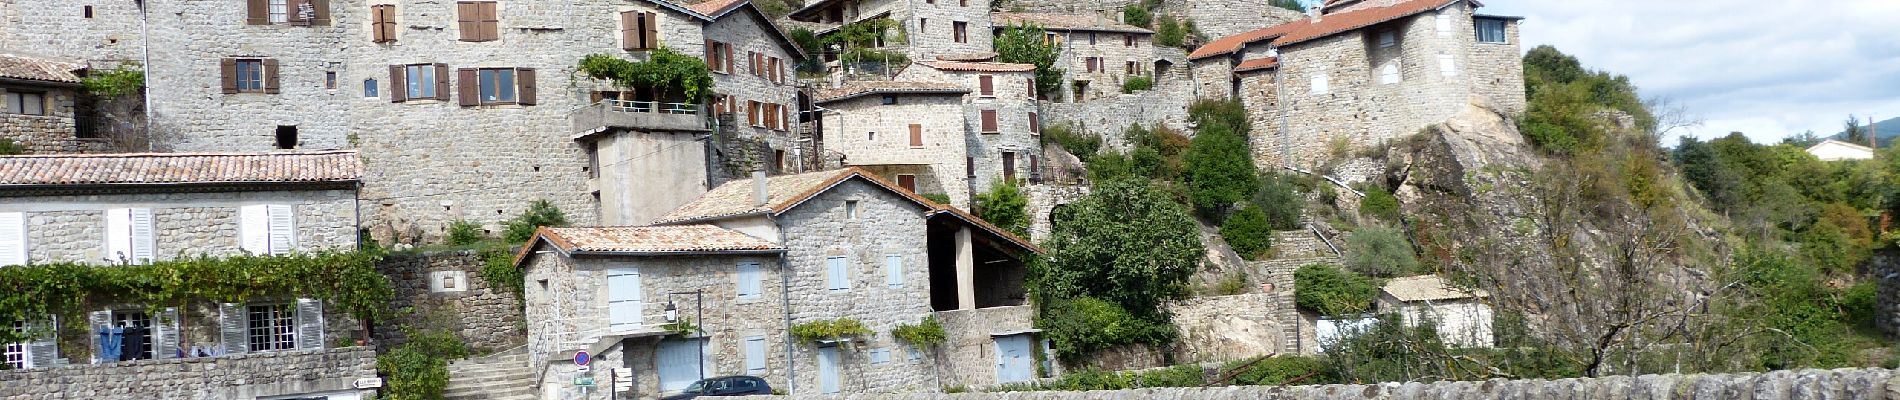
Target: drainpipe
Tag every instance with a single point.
(145, 46)
(785, 302)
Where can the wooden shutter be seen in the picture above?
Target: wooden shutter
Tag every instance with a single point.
(165, 337)
(12, 239)
(755, 356)
(728, 51)
(712, 56)
(321, 14)
(380, 21)
(894, 264)
(309, 324)
(916, 135)
(752, 112)
(254, 229)
(749, 280)
(42, 351)
(142, 236)
(468, 82)
(630, 30)
(1031, 83)
(293, 12)
(752, 62)
(257, 12)
(283, 229)
(465, 21)
(836, 274)
(524, 95)
(270, 75)
(442, 82)
(227, 72)
(989, 120)
(398, 84)
(491, 21)
(650, 39)
(986, 85)
(784, 117)
(1035, 124)
(771, 65)
(231, 328)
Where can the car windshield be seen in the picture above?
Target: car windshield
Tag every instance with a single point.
(697, 387)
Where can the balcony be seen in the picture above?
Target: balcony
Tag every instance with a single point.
(610, 114)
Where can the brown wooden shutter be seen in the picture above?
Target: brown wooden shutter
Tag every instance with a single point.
(908, 182)
(712, 56)
(257, 12)
(595, 97)
(989, 120)
(752, 62)
(916, 135)
(270, 75)
(442, 82)
(227, 73)
(468, 81)
(785, 117)
(398, 84)
(728, 50)
(1035, 126)
(322, 15)
(293, 12)
(525, 94)
(651, 40)
(380, 21)
(969, 167)
(630, 30)
(491, 21)
(772, 66)
(1032, 87)
(465, 21)
(987, 85)
(752, 113)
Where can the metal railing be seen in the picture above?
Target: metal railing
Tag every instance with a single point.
(631, 106)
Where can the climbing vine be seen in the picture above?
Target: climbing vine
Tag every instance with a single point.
(922, 335)
(667, 72)
(832, 329)
(37, 292)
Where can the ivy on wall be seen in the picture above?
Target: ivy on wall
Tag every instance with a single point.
(923, 335)
(38, 292)
(829, 329)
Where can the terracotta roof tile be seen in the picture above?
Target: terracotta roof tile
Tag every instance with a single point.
(1333, 24)
(1230, 44)
(860, 88)
(1064, 22)
(714, 7)
(786, 191)
(17, 66)
(1258, 63)
(694, 238)
(977, 56)
(170, 168)
(978, 66)
(1428, 288)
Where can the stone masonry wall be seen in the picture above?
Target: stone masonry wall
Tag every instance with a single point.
(1114, 51)
(1225, 328)
(1043, 200)
(869, 132)
(1109, 115)
(1013, 108)
(1778, 385)
(486, 316)
(968, 355)
(240, 377)
(72, 228)
(41, 134)
(1886, 267)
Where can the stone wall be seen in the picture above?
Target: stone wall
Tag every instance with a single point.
(1778, 385)
(72, 228)
(1013, 108)
(240, 377)
(1115, 52)
(870, 133)
(47, 135)
(968, 356)
(1109, 115)
(1043, 200)
(449, 285)
(1225, 328)
(1886, 267)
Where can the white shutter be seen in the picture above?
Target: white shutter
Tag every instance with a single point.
(836, 274)
(119, 235)
(894, 270)
(254, 229)
(755, 355)
(1447, 65)
(309, 324)
(1320, 84)
(12, 238)
(749, 280)
(1444, 24)
(143, 244)
(283, 229)
(623, 299)
(165, 332)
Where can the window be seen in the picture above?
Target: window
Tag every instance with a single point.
(916, 135)
(16, 357)
(88, 12)
(422, 79)
(1320, 84)
(1389, 74)
(890, 99)
(383, 23)
(1009, 166)
(279, 11)
(750, 280)
(894, 266)
(1491, 30)
(623, 299)
(477, 21)
(139, 319)
(370, 88)
(963, 3)
(959, 31)
(1131, 68)
(292, 12)
(1128, 40)
(1388, 38)
(286, 137)
(129, 236)
(329, 80)
(249, 75)
(836, 273)
(986, 86)
(1031, 84)
(492, 86)
(1094, 64)
(969, 167)
(497, 85)
(754, 356)
(989, 121)
(880, 356)
(870, 136)
(267, 229)
(1048, 38)
(29, 103)
(639, 30)
(851, 210)
(12, 238)
(923, 24)
(1091, 38)
(1447, 65)
(907, 182)
(1035, 124)
(271, 327)
(719, 56)
(1444, 24)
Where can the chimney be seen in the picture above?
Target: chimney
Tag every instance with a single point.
(758, 188)
(1316, 11)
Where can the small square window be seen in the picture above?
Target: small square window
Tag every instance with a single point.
(250, 75)
(851, 210)
(28, 103)
(1388, 39)
(497, 85)
(890, 99)
(1491, 31)
(370, 89)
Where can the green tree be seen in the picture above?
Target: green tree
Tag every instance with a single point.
(1025, 44)
(1279, 200)
(1853, 131)
(667, 72)
(1249, 232)
(8, 147)
(1005, 206)
(1136, 83)
(1379, 251)
(1169, 32)
(1137, 15)
(539, 213)
(1128, 244)
(1219, 166)
(1328, 290)
(1379, 203)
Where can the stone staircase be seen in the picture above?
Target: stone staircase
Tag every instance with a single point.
(501, 376)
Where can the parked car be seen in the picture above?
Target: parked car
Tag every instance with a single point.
(737, 385)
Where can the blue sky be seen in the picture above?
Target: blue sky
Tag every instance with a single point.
(1767, 68)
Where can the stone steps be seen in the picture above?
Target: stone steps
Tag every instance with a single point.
(502, 376)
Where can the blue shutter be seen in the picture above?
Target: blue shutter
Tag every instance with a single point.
(836, 274)
(749, 280)
(755, 355)
(894, 270)
(623, 299)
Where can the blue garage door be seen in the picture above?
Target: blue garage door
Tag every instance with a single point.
(1014, 362)
(678, 364)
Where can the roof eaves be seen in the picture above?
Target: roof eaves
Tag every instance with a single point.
(863, 93)
(606, 253)
(765, 22)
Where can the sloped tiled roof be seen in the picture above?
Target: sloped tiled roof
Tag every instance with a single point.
(861, 88)
(1063, 22)
(695, 238)
(978, 66)
(784, 192)
(1333, 24)
(15, 66)
(1256, 64)
(714, 7)
(1233, 43)
(178, 168)
(977, 56)
(1428, 288)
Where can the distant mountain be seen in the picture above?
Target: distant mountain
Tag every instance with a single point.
(1888, 131)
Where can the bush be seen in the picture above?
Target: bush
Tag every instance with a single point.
(1082, 144)
(922, 335)
(540, 213)
(463, 233)
(1249, 232)
(1219, 165)
(1379, 204)
(8, 147)
(939, 198)
(1081, 326)
(1185, 375)
(1328, 290)
(498, 269)
(1170, 32)
(1279, 201)
(419, 369)
(1114, 257)
(1379, 251)
(1006, 207)
(1282, 370)
(1137, 15)
(1135, 83)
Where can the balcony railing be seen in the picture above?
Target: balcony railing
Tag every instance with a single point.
(650, 107)
(637, 115)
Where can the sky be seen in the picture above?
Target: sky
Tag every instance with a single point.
(1766, 68)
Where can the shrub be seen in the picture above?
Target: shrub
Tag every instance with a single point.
(922, 335)
(1081, 326)
(1249, 232)
(8, 147)
(1281, 370)
(1279, 201)
(1169, 32)
(1380, 204)
(1219, 166)
(419, 369)
(831, 329)
(498, 269)
(1114, 257)
(1006, 207)
(540, 213)
(463, 233)
(1135, 83)
(940, 198)
(1185, 375)
(1081, 144)
(1328, 290)
(1379, 251)
(1137, 15)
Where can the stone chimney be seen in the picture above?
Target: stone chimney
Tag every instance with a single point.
(1316, 11)
(759, 195)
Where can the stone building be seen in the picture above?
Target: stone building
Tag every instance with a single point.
(909, 132)
(751, 259)
(1097, 54)
(1362, 73)
(449, 111)
(37, 108)
(925, 29)
(1002, 126)
(1460, 315)
(139, 208)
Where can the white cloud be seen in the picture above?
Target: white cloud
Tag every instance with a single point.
(1763, 67)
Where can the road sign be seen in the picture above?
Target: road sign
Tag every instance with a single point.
(584, 381)
(623, 379)
(581, 358)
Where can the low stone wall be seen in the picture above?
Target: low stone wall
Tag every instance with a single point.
(1886, 268)
(1778, 385)
(41, 134)
(1226, 328)
(486, 317)
(1108, 116)
(969, 350)
(239, 377)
